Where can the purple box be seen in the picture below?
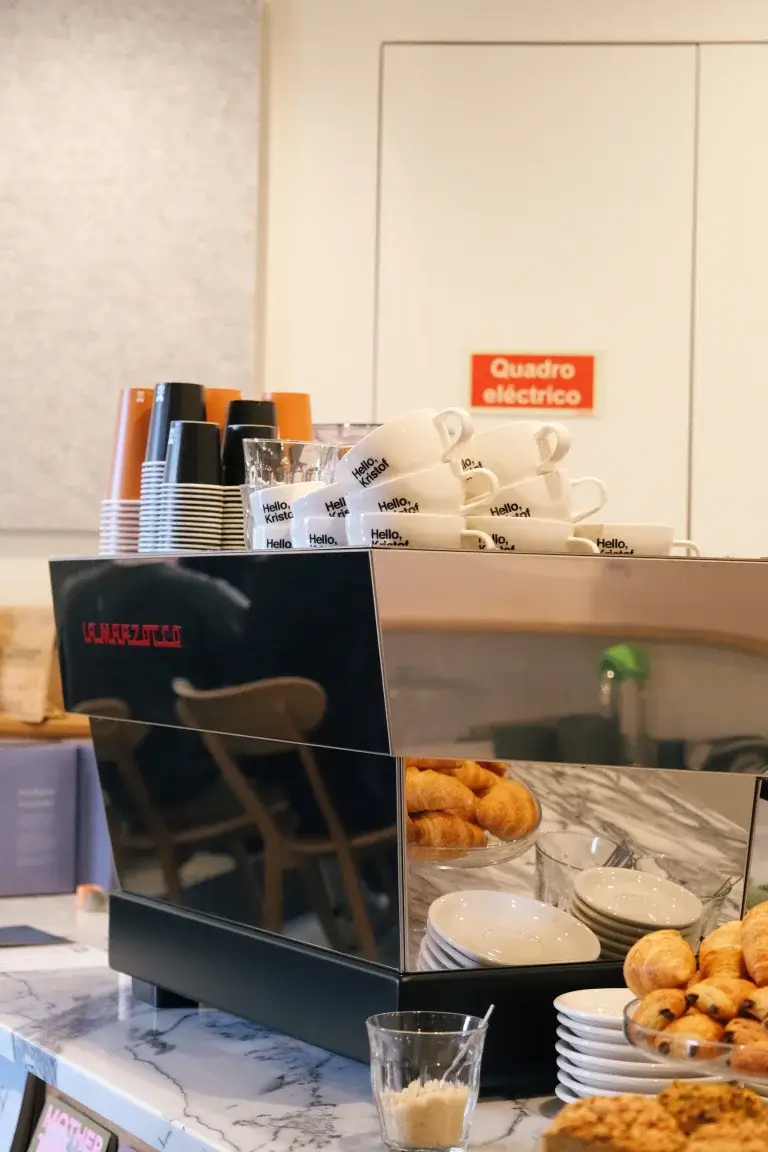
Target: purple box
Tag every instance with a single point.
(38, 818)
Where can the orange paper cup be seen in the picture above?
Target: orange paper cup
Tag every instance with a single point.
(294, 414)
(133, 414)
(216, 404)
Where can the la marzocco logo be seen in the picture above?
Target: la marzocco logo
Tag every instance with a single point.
(133, 635)
(533, 380)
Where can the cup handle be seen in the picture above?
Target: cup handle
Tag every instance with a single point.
(485, 497)
(580, 544)
(691, 548)
(562, 438)
(464, 432)
(601, 498)
(486, 543)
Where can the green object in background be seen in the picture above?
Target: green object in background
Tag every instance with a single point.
(625, 662)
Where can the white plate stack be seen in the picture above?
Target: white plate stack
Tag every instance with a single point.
(151, 493)
(190, 518)
(119, 527)
(481, 929)
(593, 1056)
(621, 905)
(233, 527)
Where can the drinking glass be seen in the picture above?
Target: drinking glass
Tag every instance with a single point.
(560, 856)
(272, 462)
(411, 1053)
(347, 434)
(711, 887)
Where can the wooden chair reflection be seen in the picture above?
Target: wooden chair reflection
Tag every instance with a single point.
(117, 743)
(289, 709)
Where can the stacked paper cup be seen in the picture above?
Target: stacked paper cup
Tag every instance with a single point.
(278, 473)
(119, 527)
(405, 486)
(172, 401)
(534, 508)
(192, 496)
(119, 518)
(243, 422)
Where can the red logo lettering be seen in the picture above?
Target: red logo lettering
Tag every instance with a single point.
(132, 635)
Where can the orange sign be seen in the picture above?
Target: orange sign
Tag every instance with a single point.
(513, 380)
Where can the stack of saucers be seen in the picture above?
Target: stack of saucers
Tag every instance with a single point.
(482, 929)
(621, 905)
(232, 526)
(593, 1056)
(119, 527)
(151, 491)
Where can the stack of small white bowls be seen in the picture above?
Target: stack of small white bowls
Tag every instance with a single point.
(119, 527)
(593, 1056)
(621, 905)
(487, 929)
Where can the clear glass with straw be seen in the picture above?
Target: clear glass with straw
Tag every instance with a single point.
(425, 1075)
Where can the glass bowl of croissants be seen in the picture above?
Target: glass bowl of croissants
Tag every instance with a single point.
(712, 1009)
(467, 813)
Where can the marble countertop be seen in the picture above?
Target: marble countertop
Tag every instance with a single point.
(194, 1080)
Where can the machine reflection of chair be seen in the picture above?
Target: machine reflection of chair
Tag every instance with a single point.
(116, 743)
(284, 710)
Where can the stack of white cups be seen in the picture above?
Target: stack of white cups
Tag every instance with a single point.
(404, 488)
(533, 510)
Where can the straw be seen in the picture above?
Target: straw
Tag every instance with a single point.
(463, 1050)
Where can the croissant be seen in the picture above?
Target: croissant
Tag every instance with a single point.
(508, 810)
(446, 830)
(754, 943)
(658, 1009)
(430, 791)
(720, 952)
(722, 997)
(498, 767)
(691, 1035)
(659, 960)
(744, 1032)
(470, 774)
(751, 1058)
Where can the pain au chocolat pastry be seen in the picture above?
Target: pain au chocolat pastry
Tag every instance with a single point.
(741, 1031)
(659, 960)
(614, 1124)
(720, 953)
(660, 1008)
(751, 1059)
(430, 791)
(754, 943)
(691, 1036)
(723, 996)
(508, 810)
(696, 1107)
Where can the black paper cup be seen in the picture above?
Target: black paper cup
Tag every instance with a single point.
(232, 455)
(252, 412)
(172, 401)
(193, 453)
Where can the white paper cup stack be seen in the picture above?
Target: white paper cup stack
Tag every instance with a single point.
(119, 527)
(151, 493)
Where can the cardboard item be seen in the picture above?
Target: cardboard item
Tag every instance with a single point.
(64, 1128)
(38, 818)
(30, 683)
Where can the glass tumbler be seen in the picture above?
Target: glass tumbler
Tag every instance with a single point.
(272, 462)
(711, 887)
(411, 1052)
(560, 856)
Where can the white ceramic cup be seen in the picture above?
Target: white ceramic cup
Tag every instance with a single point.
(275, 505)
(521, 534)
(517, 449)
(417, 530)
(412, 441)
(436, 489)
(271, 537)
(319, 531)
(547, 497)
(329, 501)
(635, 539)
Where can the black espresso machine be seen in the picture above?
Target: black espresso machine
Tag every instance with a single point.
(250, 714)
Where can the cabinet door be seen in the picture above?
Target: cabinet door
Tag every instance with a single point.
(730, 412)
(540, 199)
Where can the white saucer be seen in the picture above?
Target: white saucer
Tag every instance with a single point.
(602, 1006)
(638, 898)
(447, 957)
(613, 1046)
(504, 929)
(617, 1065)
(592, 1031)
(565, 1094)
(426, 960)
(596, 1080)
(580, 1089)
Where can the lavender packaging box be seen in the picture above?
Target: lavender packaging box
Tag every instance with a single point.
(38, 818)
